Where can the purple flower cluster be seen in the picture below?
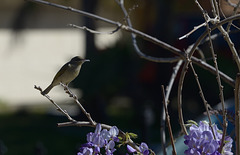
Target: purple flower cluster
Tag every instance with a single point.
(100, 139)
(201, 140)
(143, 148)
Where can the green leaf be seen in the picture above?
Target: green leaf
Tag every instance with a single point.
(190, 123)
(220, 131)
(133, 135)
(120, 138)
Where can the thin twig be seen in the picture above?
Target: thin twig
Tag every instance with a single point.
(94, 31)
(231, 46)
(215, 9)
(163, 116)
(56, 105)
(237, 60)
(68, 91)
(192, 31)
(237, 113)
(162, 130)
(179, 99)
(204, 100)
(168, 122)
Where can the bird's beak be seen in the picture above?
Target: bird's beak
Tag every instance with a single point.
(86, 60)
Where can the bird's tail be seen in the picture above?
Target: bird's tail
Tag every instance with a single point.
(46, 91)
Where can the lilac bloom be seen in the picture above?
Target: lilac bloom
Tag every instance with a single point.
(98, 129)
(144, 149)
(192, 151)
(95, 138)
(210, 147)
(228, 145)
(96, 150)
(85, 151)
(114, 133)
(90, 137)
(201, 140)
(130, 149)
(88, 144)
(105, 135)
(110, 148)
(207, 135)
(98, 141)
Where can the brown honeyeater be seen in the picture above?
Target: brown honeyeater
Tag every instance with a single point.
(67, 73)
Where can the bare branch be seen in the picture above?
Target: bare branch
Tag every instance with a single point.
(215, 9)
(179, 99)
(93, 31)
(168, 122)
(237, 113)
(163, 116)
(68, 91)
(204, 100)
(194, 29)
(56, 105)
(231, 46)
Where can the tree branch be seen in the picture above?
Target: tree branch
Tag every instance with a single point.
(56, 105)
(168, 121)
(237, 113)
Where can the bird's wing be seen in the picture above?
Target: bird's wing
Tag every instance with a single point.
(61, 71)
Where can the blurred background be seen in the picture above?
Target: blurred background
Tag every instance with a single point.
(117, 87)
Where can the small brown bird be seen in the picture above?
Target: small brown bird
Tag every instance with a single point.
(67, 73)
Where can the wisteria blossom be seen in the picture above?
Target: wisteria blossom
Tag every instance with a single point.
(201, 140)
(100, 139)
(103, 141)
(143, 148)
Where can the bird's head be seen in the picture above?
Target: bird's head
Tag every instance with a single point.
(78, 60)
